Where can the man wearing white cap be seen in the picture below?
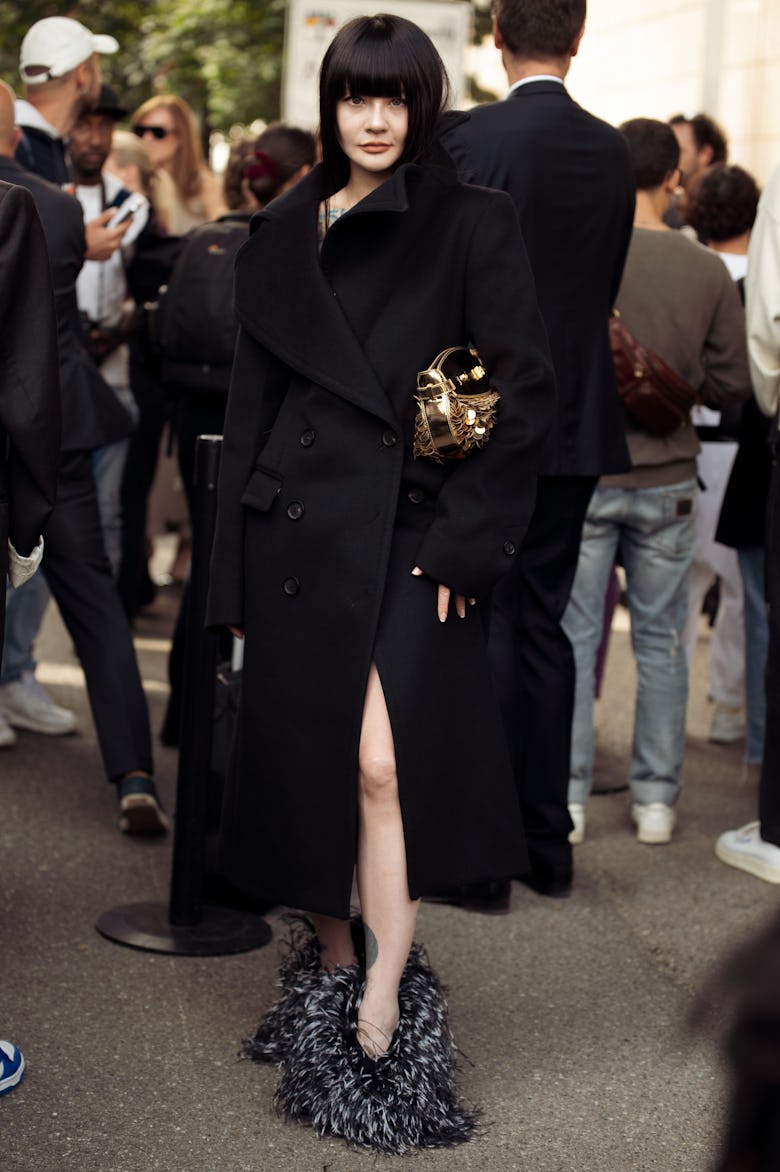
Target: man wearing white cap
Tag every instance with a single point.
(60, 68)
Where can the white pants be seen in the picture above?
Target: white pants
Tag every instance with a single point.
(726, 677)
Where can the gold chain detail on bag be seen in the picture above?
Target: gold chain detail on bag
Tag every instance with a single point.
(452, 418)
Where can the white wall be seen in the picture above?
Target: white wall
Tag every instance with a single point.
(655, 58)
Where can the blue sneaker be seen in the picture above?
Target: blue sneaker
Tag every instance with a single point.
(11, 1067)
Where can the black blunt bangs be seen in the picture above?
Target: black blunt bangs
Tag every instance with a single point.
(380, 57)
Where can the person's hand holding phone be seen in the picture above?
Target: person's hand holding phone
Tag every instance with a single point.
(102, 241)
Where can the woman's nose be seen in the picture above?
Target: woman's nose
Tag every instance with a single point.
(377, 117)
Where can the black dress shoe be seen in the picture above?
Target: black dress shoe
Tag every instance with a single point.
(553, 882)
(490, 899)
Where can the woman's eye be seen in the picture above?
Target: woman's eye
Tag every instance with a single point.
(398, 102)
(354, 99)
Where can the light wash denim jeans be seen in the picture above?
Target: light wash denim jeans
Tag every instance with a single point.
(655, 529)
(24, 610)
(751, 565)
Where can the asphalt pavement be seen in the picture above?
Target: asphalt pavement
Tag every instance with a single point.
(571, 1014)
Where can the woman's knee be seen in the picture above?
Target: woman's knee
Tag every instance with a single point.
(378, 781)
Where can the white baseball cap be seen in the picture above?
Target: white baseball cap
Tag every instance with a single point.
(56, 45)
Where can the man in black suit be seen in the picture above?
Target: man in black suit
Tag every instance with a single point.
(75, 563)
(570, 177)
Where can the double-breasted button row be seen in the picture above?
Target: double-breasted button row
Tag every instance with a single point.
(389, 438)
(291, 586)
(308, 437)
(510, 549)
(416, 496)
(295, 510)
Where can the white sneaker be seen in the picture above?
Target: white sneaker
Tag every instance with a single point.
(654, 821)
(26, 704)
(577, 815)
(727, 725)
(746, 849)
(7, 734)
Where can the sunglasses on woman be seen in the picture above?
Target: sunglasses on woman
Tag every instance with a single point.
(158, 132)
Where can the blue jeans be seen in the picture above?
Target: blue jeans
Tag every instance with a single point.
(751, 565)
(24, 611)
(655, 529)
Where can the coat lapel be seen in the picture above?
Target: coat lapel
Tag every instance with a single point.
(280, 281)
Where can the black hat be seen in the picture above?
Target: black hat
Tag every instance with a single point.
(108, 103)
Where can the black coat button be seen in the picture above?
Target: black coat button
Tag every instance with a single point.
(389, 438)
(295, 510)
(308, 437)
(510, 549)
(416, 496)
(291, 586)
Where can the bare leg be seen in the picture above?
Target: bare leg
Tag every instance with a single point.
(335, 941)
(388, 913)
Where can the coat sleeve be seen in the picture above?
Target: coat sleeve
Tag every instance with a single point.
(762, 295)
(485, 505)
(257, 386)
(724, 354)
(30, 412)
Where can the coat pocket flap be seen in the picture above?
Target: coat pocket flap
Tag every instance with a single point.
(262, 490)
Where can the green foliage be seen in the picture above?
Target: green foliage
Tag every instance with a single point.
(223, 56)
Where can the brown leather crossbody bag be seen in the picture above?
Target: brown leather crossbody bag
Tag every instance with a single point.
(655, 396)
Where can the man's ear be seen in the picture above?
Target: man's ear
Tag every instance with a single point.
(672, 180)
(706, 153)
(498, 40)
(81, 77)
(576, 42)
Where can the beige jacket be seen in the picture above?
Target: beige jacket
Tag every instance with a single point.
(762, 292)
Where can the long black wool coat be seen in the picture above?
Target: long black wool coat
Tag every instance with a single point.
(323, 513)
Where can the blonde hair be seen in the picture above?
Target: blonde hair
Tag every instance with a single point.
(156, 184)
(187, 164)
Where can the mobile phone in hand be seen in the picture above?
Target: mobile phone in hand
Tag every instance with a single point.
(131, 205)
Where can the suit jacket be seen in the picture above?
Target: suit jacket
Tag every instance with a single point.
(92, 416)
(570, 177)
(29, 383)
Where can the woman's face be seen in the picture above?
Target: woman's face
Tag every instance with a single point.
(372, 133)
(159, 135)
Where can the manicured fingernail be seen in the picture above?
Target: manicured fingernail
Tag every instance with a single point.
(442, 618)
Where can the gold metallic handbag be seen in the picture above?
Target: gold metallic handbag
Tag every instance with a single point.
(456, 406)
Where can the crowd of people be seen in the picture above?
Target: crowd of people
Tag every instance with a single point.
(371, 541)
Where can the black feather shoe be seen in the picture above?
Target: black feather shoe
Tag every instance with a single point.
(403, 1100)
(299, 973)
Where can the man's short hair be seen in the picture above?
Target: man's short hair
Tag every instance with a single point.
(539, 28)
(722, 203)
(654, 151)
(706, 132)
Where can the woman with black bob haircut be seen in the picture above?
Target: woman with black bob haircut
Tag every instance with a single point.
(390, 57)
(354, 531)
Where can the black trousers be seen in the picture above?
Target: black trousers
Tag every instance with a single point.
(79, 576)
(533, 664)
(769, 788)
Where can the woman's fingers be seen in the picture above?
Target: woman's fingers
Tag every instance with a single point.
(443, 600)
(239, 634)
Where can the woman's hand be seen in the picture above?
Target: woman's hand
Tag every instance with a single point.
(239, 634)
(443, 600)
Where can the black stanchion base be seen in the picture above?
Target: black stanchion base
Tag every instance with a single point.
(221, 931)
